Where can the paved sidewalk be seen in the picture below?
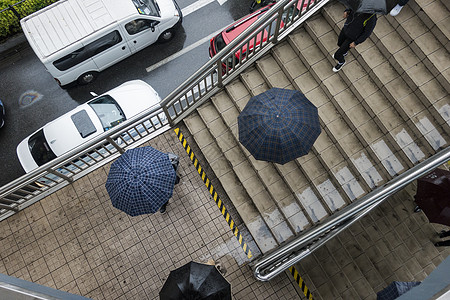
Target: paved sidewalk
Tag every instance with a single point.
(76, 241)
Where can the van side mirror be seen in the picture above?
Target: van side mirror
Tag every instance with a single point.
(93, 94)
(152, 27)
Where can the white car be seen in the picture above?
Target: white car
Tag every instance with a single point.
(86, 122)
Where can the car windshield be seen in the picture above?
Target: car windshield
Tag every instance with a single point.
(147, 7)
(108, 111)
(219, 42)
(39, 148)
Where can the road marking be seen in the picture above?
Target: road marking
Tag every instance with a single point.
(213, 193)
(221, 2)
(184, 51)
(195, 6)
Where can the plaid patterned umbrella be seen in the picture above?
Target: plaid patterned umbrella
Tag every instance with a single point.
(278, 125)
(140, 181)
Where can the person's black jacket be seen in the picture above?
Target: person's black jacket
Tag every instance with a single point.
(354, 27)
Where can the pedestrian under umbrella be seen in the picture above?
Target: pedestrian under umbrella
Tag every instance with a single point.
(278, 125)
(141, 181)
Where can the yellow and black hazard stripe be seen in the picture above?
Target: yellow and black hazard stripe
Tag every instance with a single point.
(301, 283)
(213, 193)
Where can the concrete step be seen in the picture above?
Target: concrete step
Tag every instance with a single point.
(230, 182)
(403, 137)
(426, 118)
(387, 67)
(356, 121)
(435, 15)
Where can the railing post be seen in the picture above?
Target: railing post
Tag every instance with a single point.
(219, 73)
(277, 27)
(109, 139)
(66, 178)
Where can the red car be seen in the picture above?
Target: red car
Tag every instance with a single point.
(221, 40)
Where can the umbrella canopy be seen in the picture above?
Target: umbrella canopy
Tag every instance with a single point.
(370, 6)
(195, 281)
(433, 196)
(140, 181)
(278, 125)
(395, 289)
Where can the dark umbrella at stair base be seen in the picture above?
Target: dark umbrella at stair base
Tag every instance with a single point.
(140, 181)
(278, 125)
(195, 281)
(433, 196)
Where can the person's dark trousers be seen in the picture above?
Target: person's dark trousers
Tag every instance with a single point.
(344, 46)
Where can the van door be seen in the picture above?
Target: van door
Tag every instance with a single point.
(141, 33)
(109, 49)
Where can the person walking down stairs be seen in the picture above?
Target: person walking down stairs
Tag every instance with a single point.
(357, 28)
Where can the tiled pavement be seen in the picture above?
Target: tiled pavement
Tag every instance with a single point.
(75, 241)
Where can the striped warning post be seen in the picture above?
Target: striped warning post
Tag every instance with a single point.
(213, 193)
(301, 283)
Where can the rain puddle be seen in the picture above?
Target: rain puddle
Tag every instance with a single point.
(28, 98)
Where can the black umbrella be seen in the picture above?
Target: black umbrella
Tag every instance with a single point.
(195, 281)
(396, 289)
(370, 6)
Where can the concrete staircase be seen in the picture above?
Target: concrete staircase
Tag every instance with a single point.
(387, 110)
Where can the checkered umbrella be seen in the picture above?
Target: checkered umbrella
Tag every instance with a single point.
(278, 125)
(140, 181)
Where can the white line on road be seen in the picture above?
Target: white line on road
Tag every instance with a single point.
(195, 6)
(185, 50)
(221, 2)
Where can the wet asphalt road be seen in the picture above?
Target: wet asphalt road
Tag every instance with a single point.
(32, 98)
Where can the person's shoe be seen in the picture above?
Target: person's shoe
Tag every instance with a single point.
(338, 67)
(163, 208)
(396, 10)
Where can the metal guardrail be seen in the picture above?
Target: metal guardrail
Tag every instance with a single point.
(97, 152)
(286, 256)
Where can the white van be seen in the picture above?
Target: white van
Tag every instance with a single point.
(76, 39)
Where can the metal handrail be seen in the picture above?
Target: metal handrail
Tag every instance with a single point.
(100, 150)
(286, 256)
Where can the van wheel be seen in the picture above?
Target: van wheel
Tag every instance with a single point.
(166, 36)
(87, 77)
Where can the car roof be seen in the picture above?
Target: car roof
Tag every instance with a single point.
(71, 20)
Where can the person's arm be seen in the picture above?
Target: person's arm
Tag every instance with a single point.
(368, 29)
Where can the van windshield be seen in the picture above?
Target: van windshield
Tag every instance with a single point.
(147, 7)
